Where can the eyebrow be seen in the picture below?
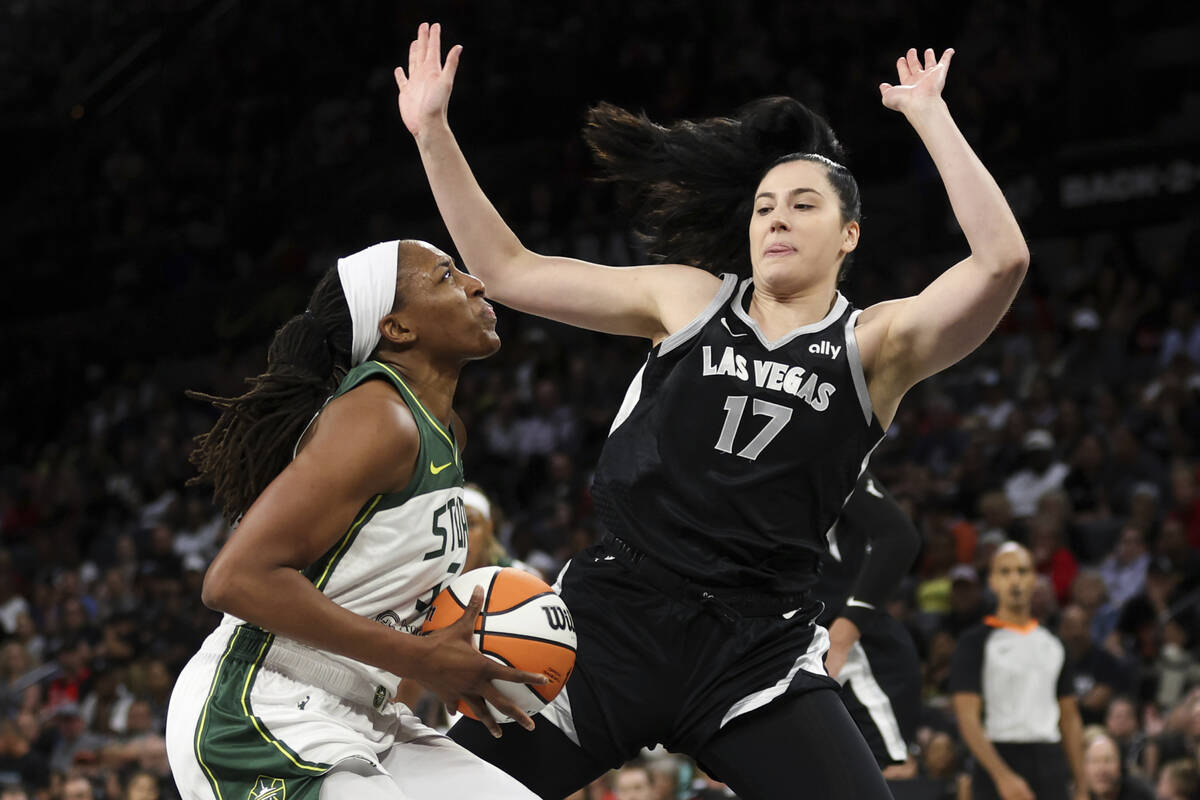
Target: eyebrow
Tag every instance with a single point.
(441, 264)
(792, 193)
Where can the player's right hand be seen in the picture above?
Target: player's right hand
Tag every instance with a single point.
(425, 90)
(456, 671)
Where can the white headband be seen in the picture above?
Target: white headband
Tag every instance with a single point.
(369, 284)
(473, 498)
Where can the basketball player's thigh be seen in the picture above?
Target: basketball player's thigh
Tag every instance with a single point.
(800, 745)
(436, 768)
(543, 759)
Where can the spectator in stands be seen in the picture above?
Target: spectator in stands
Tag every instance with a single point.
(966, 600)
(1042, 473)
(1180, 781)
(71, 738)
(1050, 553)
(77, 787)
(20, 764)
(1099, 676)
(1124, 571)
(1103, 773)
(142, 785)
(1121, 723)
(633, 781)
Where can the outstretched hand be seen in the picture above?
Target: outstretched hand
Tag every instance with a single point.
(918, 84)
(457, 671)
(425, 90)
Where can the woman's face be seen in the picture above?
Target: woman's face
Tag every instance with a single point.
(443, 306)
(797, 236)
(1102, 766)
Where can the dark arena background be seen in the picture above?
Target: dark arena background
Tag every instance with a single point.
(178, 173)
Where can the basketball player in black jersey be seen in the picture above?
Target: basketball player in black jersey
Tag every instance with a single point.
(871, 654)
(761, 398)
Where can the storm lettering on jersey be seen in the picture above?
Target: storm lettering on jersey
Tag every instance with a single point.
(771, 375)
(449, 528)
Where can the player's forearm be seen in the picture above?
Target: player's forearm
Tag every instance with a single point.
(489, 248)
(984, 215)
(283, 601)
(887, 561)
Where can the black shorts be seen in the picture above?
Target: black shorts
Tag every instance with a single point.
(742, 691)
(1043, 765)
(655, 668)
(882, 686)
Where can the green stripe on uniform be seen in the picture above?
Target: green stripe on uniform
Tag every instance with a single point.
(234, 746)
(320, 570)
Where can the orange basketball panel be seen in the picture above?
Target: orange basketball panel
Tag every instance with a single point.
(447, 608)
(555, 661)
(513, 587)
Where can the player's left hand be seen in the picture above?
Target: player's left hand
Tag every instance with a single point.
(919, 85)
(425, 90)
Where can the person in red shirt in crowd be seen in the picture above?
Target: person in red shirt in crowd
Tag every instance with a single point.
(1187, 500)
(1051, 556)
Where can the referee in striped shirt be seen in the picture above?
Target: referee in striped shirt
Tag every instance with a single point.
(1014, 695)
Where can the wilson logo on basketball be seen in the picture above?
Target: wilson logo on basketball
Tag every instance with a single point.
(559, 618)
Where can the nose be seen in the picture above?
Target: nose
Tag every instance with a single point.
(778, 223)
(475, 287)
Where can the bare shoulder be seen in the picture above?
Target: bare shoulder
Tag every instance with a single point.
(367, 435)
(681, 293)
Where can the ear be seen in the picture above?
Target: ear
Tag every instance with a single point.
(850, 234)
(392, 329)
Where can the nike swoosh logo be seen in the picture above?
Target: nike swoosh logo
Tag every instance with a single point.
(872, 490)
(435, 470)
(731, 333)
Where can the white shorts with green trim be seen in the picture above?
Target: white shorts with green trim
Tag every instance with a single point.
(239, 729)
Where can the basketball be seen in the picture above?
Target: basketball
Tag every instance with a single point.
(523, 624)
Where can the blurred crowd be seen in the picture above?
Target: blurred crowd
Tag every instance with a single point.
(185, 182)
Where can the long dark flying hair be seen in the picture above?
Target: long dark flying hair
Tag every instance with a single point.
(691, 185)
(252, 441)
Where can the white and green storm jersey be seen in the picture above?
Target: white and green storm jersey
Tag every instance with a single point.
(402, 548)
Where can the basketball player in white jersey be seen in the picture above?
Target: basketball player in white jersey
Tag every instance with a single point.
(342, 463)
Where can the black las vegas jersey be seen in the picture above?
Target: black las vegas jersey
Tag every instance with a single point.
(732, 455)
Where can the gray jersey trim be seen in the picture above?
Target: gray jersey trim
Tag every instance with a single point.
(839, 306)
(692, 328)
(856, 368)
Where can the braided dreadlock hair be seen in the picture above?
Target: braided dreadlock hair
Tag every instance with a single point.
(691, 185)
(251, 442)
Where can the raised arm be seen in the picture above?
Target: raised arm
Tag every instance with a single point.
(904, 341)
(648, 301)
